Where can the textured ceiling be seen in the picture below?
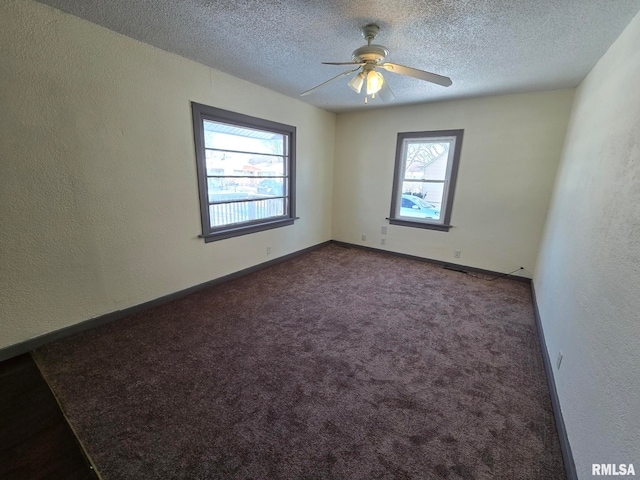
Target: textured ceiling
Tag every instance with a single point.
(485, 46)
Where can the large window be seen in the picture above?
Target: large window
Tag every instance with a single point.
(425, 178)
(246, 172)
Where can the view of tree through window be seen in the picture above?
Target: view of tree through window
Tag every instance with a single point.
(247, 171)
(425, 171)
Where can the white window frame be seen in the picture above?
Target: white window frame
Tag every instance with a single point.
(454, 138)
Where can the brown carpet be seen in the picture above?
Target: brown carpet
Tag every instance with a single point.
(338, 364)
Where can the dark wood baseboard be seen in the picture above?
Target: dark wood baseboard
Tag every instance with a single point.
(449, 265)
(33, 343)
(567, 456)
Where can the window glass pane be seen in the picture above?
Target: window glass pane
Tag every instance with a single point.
(418, 208)
(231, 213)
(226, 190)
(430, 191)
(273, 187)
(426, 160)
(230, 137)
(229, 189)
(244, 164)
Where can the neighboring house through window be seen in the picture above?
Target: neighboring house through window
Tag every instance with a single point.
(246, 172)
(424, 178)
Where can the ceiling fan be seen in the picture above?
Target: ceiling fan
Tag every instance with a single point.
(370, 57)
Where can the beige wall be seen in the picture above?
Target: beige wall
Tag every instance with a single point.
(588, 275)
(511, 148)
(99, 203)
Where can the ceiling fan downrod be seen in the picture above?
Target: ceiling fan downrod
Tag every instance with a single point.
(369, 32)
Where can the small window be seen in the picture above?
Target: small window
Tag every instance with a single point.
(425, 178)
(246, 172)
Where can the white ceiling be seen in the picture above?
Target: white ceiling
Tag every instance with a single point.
(485, 46)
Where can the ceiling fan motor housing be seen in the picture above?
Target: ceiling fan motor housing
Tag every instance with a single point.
(370, 53)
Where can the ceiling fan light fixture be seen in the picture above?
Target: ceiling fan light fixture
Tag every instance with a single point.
(356, 82)
(374, 82)
(369, 57)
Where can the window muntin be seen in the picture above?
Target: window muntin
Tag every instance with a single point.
(245, 172)
(424, 178)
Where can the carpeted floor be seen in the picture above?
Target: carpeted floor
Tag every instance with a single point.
(338, 364)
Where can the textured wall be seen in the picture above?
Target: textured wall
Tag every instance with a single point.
(99, 202)
(588, 276)
(510, 151)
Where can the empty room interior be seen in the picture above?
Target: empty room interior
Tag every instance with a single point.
(427, 267)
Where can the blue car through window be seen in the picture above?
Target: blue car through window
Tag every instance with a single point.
(416, 207)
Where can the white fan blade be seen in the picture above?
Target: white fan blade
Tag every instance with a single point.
(329, 81)
(385, 93)
(415, 73)
(343, 63)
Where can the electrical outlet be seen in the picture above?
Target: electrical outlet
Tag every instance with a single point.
(383, 230)
(457, 253)
(383, 241)
(268, 250)
(364, 237)
(559, 361)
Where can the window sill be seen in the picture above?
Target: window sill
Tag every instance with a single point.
(429, 226)
(246, 229)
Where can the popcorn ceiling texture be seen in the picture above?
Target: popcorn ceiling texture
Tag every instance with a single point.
(486, 47)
